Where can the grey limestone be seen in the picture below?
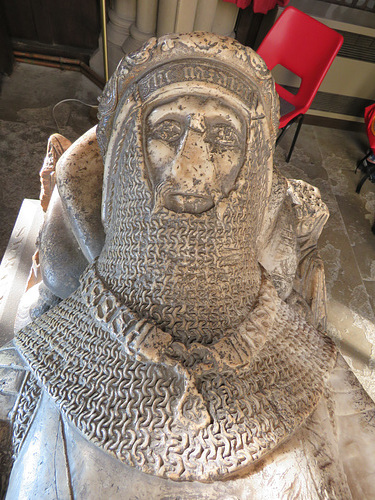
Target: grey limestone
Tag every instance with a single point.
(192, 352)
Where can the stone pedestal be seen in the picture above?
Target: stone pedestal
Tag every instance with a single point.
(16, 264)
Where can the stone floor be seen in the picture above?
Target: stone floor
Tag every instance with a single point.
(327, 159)
(324, 157)
(26, 121)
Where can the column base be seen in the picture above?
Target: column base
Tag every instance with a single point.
(135, 40)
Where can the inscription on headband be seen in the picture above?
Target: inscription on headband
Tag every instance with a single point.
(191, 72)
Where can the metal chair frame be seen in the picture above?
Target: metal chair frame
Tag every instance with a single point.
(284, 129)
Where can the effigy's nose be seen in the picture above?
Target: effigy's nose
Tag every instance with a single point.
(192, 164)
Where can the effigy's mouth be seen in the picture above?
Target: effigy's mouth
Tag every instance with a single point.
(187, 203)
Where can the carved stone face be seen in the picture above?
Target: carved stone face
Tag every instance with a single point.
(195, 148)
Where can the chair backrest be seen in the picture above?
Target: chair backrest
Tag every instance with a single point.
(305, 47)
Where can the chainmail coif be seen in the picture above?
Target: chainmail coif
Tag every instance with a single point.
(195, 276)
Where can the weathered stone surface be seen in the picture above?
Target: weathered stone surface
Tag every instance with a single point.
(187, 363)
(80, 181)
(15, 265)
(57, 145)
(60, 256)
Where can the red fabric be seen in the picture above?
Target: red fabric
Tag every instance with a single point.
(263, 6)
(259, 6)
(370, 125)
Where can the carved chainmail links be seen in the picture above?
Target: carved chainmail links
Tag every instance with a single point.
(25, 411)
(128, 407)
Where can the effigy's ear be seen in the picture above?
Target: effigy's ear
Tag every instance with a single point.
(79, 179)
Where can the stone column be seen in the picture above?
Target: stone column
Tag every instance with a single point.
(166, 16)
(225, 18)
(132, 22)
(177, 16)
(185, 16)
(205, 15)
(144, 26)
(121, 15)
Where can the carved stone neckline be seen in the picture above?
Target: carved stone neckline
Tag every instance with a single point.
(131, 407)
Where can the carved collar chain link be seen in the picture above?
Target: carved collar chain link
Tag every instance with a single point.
(132, 392)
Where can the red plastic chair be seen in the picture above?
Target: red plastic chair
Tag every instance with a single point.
(307, 48)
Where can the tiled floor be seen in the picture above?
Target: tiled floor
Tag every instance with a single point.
(324, 157)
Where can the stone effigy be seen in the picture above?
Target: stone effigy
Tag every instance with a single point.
(188, 363)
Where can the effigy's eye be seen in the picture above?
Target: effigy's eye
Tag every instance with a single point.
(168, 131)
(224, 135)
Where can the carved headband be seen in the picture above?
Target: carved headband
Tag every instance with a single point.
(192, 57)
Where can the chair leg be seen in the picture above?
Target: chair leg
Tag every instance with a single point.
(361, 182)
(300, 122)
(369, 174)
(360, 162)
(281, 135)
